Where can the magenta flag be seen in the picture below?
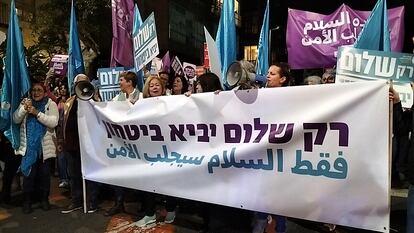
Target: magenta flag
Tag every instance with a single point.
(122, 24)
(313, 39)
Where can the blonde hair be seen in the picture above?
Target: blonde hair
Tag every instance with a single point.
(146, 93)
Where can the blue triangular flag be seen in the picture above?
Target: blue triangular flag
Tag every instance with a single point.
(16, 82)
(263, 48)
(226, 37)
(137, 24)
(375, 35)
(75, 63)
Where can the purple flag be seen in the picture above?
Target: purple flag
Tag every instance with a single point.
(122, 24)
(166, 62)
(313, 39)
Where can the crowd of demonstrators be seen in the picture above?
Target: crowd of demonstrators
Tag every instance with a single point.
(38, 116)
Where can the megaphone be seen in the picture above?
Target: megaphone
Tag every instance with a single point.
(237, 75)
(84, 90)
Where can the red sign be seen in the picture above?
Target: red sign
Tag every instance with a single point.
(206, 60)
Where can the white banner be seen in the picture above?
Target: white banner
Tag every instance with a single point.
(312, 152)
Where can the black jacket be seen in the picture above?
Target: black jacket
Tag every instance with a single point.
(403, 123)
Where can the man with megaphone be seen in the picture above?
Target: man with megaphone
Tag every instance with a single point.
(84, 90)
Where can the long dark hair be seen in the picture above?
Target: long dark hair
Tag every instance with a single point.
(285, 71)
(209, 82)
(184, 82)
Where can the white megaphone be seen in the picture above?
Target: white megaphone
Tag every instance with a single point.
(238, 74)
(84, 90)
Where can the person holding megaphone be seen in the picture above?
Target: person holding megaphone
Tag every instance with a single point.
(278, 75)
(71, 142)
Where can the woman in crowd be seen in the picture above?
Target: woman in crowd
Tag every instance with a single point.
(38, 117)
(180, 85)
(313, 80)
(278, 75)
(208, 82)
(61, 158)
(154, 87)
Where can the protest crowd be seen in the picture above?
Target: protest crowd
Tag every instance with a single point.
(50, 144)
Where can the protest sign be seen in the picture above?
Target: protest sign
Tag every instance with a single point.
(109, 81)
(145, 43)
(361, 64)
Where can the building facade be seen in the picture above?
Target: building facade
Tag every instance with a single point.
(180, 24)
(26, 13)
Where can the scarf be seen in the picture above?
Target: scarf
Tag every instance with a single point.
(35, 131)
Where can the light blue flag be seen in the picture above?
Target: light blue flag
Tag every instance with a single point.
(263, 47)
(226, 37)
(16, 82)
(376, 35)
(137, 24)
(75, 63)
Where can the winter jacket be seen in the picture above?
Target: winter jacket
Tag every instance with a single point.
(49, 119)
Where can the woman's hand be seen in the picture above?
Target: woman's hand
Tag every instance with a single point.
(393, 95)
(32, 110)
(26, 103)
(188, 93)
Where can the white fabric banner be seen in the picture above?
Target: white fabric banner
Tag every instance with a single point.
(313, 152)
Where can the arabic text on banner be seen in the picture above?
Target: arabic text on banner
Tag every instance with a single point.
(317, 153)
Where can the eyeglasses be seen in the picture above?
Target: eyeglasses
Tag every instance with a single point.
(37, 90)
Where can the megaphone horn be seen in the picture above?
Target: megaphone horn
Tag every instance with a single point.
(234, 75)
(238, 74)
(84, 90)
